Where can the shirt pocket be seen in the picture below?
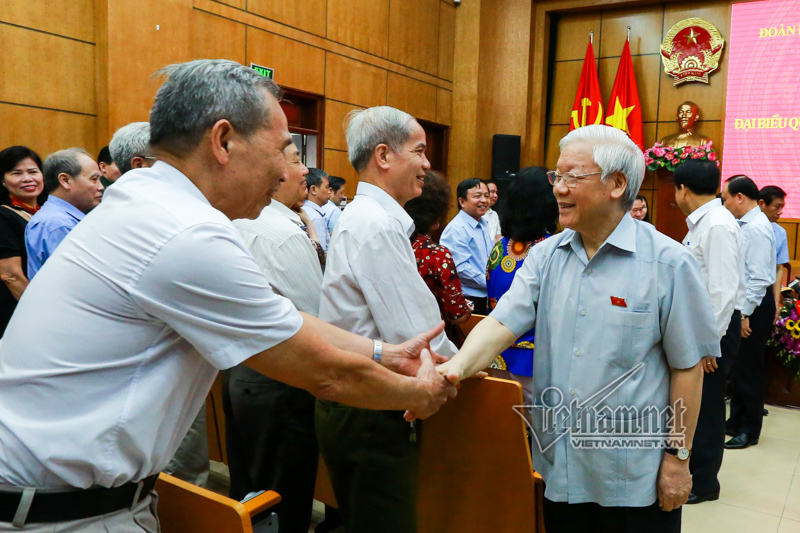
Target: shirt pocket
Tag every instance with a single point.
(627, 337)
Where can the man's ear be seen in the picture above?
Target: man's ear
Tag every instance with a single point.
(64, 180)
(222, 137)
(382, 152)
(762, 204)
(620, 184)
(138, 162)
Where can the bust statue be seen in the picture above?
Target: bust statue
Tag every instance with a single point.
(687, 117)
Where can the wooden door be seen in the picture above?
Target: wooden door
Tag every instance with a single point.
(670, 220)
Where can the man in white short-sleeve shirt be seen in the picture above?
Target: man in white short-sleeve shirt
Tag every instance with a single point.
(116, 343)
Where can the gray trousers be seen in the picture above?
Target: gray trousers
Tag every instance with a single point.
(140, 519)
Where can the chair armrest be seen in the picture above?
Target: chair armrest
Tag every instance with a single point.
(262, 502)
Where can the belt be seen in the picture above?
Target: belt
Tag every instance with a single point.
(49, 507)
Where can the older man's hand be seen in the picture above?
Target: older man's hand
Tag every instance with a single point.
(674, 483)
(405, 358)
(438, 388)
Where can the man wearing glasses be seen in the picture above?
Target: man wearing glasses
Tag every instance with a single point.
(130, 147)
(622, 319)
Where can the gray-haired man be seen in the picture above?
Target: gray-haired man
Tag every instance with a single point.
(372, 288)
(130, 147)
(622, 320)
(144, 320)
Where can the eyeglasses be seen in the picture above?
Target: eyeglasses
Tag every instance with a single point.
(569, 179)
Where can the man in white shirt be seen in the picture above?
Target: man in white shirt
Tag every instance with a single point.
(269, 425)
(491, 215)
(319, 193)
(136, 337)
(371, 287)
(715, 240)
(771, 200)
(740, 196)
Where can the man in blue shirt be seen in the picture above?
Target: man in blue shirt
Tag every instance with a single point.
(622, 320)
(72, 178)
(771, 200)
(319, 193)
(331, 209)
(468, 239)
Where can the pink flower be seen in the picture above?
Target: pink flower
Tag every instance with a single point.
(712, 156)
(683, 156)
(670, 156)
(659, 152)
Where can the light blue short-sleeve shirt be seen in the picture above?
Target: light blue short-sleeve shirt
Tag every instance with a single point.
(781, 244)
(607, 331)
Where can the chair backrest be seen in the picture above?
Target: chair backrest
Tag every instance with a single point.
(184, 507)
(467, 326)
(475, 465)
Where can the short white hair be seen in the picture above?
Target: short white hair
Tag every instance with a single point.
(128, 142)
(613, 151)
(367, 128)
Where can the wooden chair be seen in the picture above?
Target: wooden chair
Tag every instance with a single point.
(467, 326)
(183, 507)
(475, 465)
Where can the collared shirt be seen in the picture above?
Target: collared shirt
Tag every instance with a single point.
(47, 228)
(493, 220)
(285, 255)
(147, 297)
(371, 285)
(760, 255)
(640, 300)
(715, 240)
(781, 244)
(317, 216)
(470, 243)
(331, 213)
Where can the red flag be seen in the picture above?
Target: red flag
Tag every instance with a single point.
(588, 106)
(624, 108)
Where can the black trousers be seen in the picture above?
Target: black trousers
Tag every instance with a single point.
(272, 445)
(373, 466)
(563, 517)
(747, 374)
(709, 438)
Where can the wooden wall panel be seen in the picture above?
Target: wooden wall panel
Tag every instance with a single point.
(444, 106)
(217, 38)
(69, 83)
(71, 18)
(296, 65)
(791, 237)
(416, 98)
(363, 25)
(354, 82)
(414, 34)
(646, 70)
(238, 4)
(46, 131)
(307, 15)
(335, 116)
(554, 135)
(447, 36)
(566, 76)
(643, 20)
(337, 164)
(573, 35)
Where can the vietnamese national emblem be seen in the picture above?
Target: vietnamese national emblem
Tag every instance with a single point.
(691, 50)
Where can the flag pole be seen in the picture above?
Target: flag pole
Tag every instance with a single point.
(629, 34)
(591, 37)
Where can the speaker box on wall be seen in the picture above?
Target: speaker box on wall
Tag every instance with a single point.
(505, 155)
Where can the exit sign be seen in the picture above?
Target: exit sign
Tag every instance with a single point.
(264, 71)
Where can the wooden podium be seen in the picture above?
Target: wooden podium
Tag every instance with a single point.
(669, 219)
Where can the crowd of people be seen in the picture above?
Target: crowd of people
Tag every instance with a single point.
(199, 241)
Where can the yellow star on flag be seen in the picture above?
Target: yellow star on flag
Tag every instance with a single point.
(619, 119)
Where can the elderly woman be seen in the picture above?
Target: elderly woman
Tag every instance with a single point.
(434, 262)
(21, 174)
(528, 216)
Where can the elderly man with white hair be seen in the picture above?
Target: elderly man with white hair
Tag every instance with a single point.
(622, 320)
(130, 147)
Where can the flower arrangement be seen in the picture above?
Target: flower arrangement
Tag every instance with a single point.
(786, 337)
(660, 156)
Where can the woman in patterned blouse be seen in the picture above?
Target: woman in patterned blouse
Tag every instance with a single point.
(434, 262)
(527, 216)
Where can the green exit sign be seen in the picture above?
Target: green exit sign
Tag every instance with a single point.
(264, 71)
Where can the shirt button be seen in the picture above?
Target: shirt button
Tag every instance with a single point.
(588, 271)
(583, 313)
(577, 352)
(572, 392)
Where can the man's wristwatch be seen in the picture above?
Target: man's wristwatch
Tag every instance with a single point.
(681, 453)
(377, 350)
